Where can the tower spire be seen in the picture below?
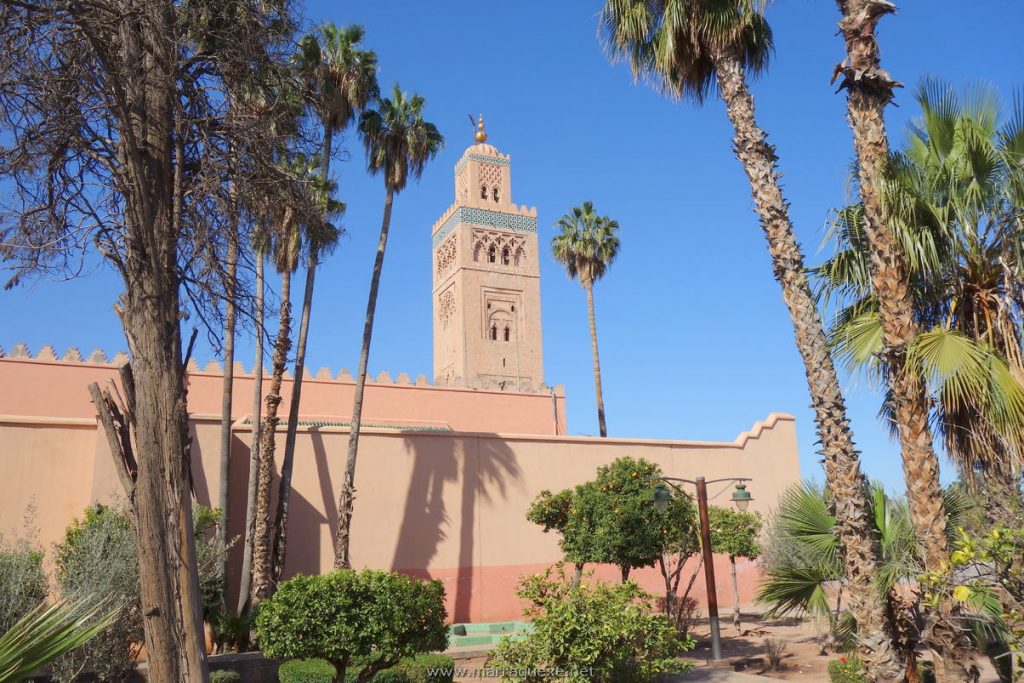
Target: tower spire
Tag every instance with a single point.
(481, 134)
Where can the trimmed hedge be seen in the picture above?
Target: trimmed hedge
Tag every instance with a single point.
(307, 671)
(225, 676)
(424, 668)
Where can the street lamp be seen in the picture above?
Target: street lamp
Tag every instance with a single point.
(661, 497)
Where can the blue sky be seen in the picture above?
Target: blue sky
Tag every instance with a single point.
(695, 340)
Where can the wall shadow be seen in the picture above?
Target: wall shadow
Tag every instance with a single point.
(482, 466)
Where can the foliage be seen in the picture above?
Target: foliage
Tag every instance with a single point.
(587, 244)
(398, 141)
(374, 616)
(612, 519)
(225, 676)
(423, 668)
(735, 533)
(306, 671)
(954, 192)
(98, 557)
(599, 632)
(22, 580)
(775, 651)
(48, 632)
(846, 670)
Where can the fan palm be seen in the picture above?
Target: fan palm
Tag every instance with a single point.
(321, 236)
(804, 565)
(586, 247)
(399, 143)
(951, 198)
(688, 48)
(47, 632)
(342, 81)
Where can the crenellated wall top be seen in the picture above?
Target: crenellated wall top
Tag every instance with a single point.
(47, 354)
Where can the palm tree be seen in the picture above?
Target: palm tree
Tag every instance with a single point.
(46, 633)
(399, 143)
(245, 580)
(687, 47)
(803, 563)
(285, 254)
(321, 237)
(342, 81)
(227, 388)
(586, 247)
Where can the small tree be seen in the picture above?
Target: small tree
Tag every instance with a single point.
(551, 511)
(589, 633)
(736, 534)
(372, 616)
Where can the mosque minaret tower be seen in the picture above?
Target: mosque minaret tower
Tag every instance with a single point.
(487, 328)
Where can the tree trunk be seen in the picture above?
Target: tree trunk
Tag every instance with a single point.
(625, 574)
(348, 491)
(254, 450)
(589, 287)
(735, 594)
(869, 89)
(842, 464)
(171, 604)
(263, 542)
(285, 487)
(226, 395)
(577, 575)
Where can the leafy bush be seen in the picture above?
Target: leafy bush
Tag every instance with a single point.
(594, 633)
(306, 671)
(846, 670)
(225, 676)
(22, 581)
(373, 617)
(98, 558)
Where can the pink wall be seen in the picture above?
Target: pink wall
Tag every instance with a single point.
(449, 505)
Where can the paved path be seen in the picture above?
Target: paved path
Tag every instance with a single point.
(717, 675)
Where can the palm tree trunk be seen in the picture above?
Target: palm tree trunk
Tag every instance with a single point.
(870, 88)
(226, 395)
(347, 497)
(285, 487)
(245, 581)
(263, 542)
(842, 463)
(589, 287)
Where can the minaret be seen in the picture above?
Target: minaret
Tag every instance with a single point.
(487, 330)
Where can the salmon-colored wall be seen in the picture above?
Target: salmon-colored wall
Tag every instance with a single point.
(450, 505)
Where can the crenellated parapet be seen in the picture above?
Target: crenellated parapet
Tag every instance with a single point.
(48, 354)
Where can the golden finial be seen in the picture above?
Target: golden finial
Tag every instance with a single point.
(481, 134)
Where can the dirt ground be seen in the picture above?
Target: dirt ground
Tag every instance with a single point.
(801, 660)
(745, 651)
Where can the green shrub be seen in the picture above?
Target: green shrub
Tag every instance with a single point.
(98, 558)
(307, 671)
(22, 581)
(225, 676)
(394, 675)
(370, 617)
(595, 633)
(431, 668)
(846, 670)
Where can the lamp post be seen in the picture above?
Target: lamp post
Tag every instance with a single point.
(741, 497)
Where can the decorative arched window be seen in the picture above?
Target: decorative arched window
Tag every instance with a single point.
(492, 254)
(494, 332)
(506, 257)
(483, 192)
(508, 334)
(494, 193)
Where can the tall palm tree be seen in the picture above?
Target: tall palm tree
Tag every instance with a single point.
(227, 387)
(399, 143)
(285, 254)
(341, 82)
(950, 195)
(245, 580)
(687, 48)
(586, 247)
(321, 237)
